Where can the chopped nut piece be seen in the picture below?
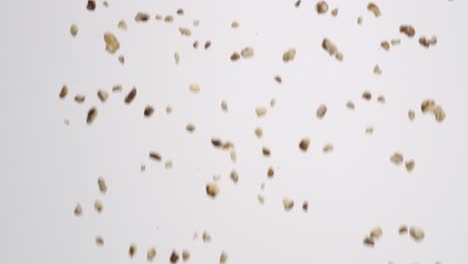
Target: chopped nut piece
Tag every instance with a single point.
(180, 12)
(247, 52)
(374, 9)
(132, 250)
(369, 242)
(142, 17)
(121, 59)
(103, 95)
(78, 210)
(63, 92)
(403, 230)
(350, 105)
(99, 241)
(235, 56)
(266, 151)
(395, 42)
(270, 172)
(334, 12)
(369, 130)
(234, 24)
(98, 206)
(289, 55)
(234, 176)
(224, 106)
(73, 30)
(151, 254)
(278, 79)
(168, 19)
(385, 45)
(185, 31)
(91, 5)
(216, 142)
(158, 17)
(176, 57)
(339, 56)
(328, 148)
(329, 46)
(432, 41)
(261, 111)
(92, 113)
(117, 88)
(381, 99)
(102, 185)
(190, 127)
(298, 3)
(79, 98)
(207, 44)
(359, 20)
(410, 165)
(377, 70)
(411, 115)
(439, 114)
(366, 95)
(168, 109)
(376, 233)
(194, 88)
(149, 110)
(155, 156)
(130, 96)
(397, 158)
(122, 25)
(321, 7)
(305, 206)
(261, 199)
(206, 237)
(223, 258)
(168, 164)
(428, 105)
(272, 102)
(304, 144)
(212, 189)
(416, 233)
(258, 132)
(408, 30)
(196, 22)
(288, 204)
(185, 255)
(423, 41)
(321, 111)
(174, 257)
(112, 44)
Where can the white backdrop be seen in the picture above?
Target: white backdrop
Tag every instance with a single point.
(47, 167)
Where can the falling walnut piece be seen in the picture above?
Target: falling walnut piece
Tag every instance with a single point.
(298, 3)
(410, 165)
(403, 230)
(260, 199)
(366, 95)
(334, 12)
(207, 44)
(411, 115)
(258, 132)
(376, 233)
(395, 42)
(149, 110)
(174, 257)
(304, 144)
(247, 52)
(190, 127)
(416, 233)
(266, 152)
(408, 30)
(381, 99)
(288, 203)
(122, 25)
(155, 156)
(176, 57)
(130, 96)
(194, 88)
(168, 19)
(327, 148)
(112, 44)
(185, 255)
(78, 211)
(168, 164)
(359, 20)
(132, 250)
(350, 105)
(180, 12)
(329, 46)
(377, 70)
(396, 158)
(224, 106)
(305, 206)
(99, 241)
(234, 176)
(429, 106)
(270, 172)
(212, 189)
(151, 254)
(63, 92)
(234, 24)
(235, 56)
(368, 241)
(103, 95)
(289, 55)
(91, 5)
(223, 258)
(102, 185)
(74, 30)
(142, 17)
(79, 98)
(372, 7)
(385, 45)
(121, 59)
(321, 111)
(321, 7)
(98, 206)
(185, 32)
(261, 111)
(278, 79)
(369, 130)
(92, 113)
(206, 237)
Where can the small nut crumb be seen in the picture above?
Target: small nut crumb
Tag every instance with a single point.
(158, 17)
(103, 95)
(304, 144)
(132, 250)
(288, 203)
(151, 254)
(278, 79)
(206, 237)
(339, 56)
(334, 12)
(207, 44)
(427, 42)
(185, 32)
(176, 57)
(403, 230)
(350, 105)
(266, 152)
(63, 92)
(261, 111)
(298, 3)
(321, 111)
(168, 164)
(194, 88)
(102, 185)
(185, 255)
(408, 30)
(385, 45)
(359, 20)
(99, 241)
(329, 46)
(79, 98)
(121, 59)
(117, 88)
(369, 130)
(235, 56)
(142, 17)
(196, 23)
(98, 206)
(234, 24)
(180, 12)
(428, 105)
(168, 109)
(395, 42)
(381, 99)
(411, 115)
(376, 233)
(149, 110)
(416, 233)
(223, 258)
(74, 30)
(261, 199)
(234, 176)
(190, 127)
(270, 172)
(247, 52)
(168, 19)
(272, 102)
(78, 211)
(130, 96)
(321, 7)
(224, 106)
(369, 242)
(91, 5)
(397, 158)
(112, 44)
(233, 155)
(372, 7)
(377, 70)
(258, 132)
(155, 156)
(212, 189)
(122, 25)
(92, 113)
(174, 257)
(366, 95)
(305, 206)
(439, 114)
(289, 55)
(327, 148)
(410, 165)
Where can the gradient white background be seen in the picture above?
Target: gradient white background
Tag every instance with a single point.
(46, 167)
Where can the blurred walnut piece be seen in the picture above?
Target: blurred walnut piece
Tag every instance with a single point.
(112, 44)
